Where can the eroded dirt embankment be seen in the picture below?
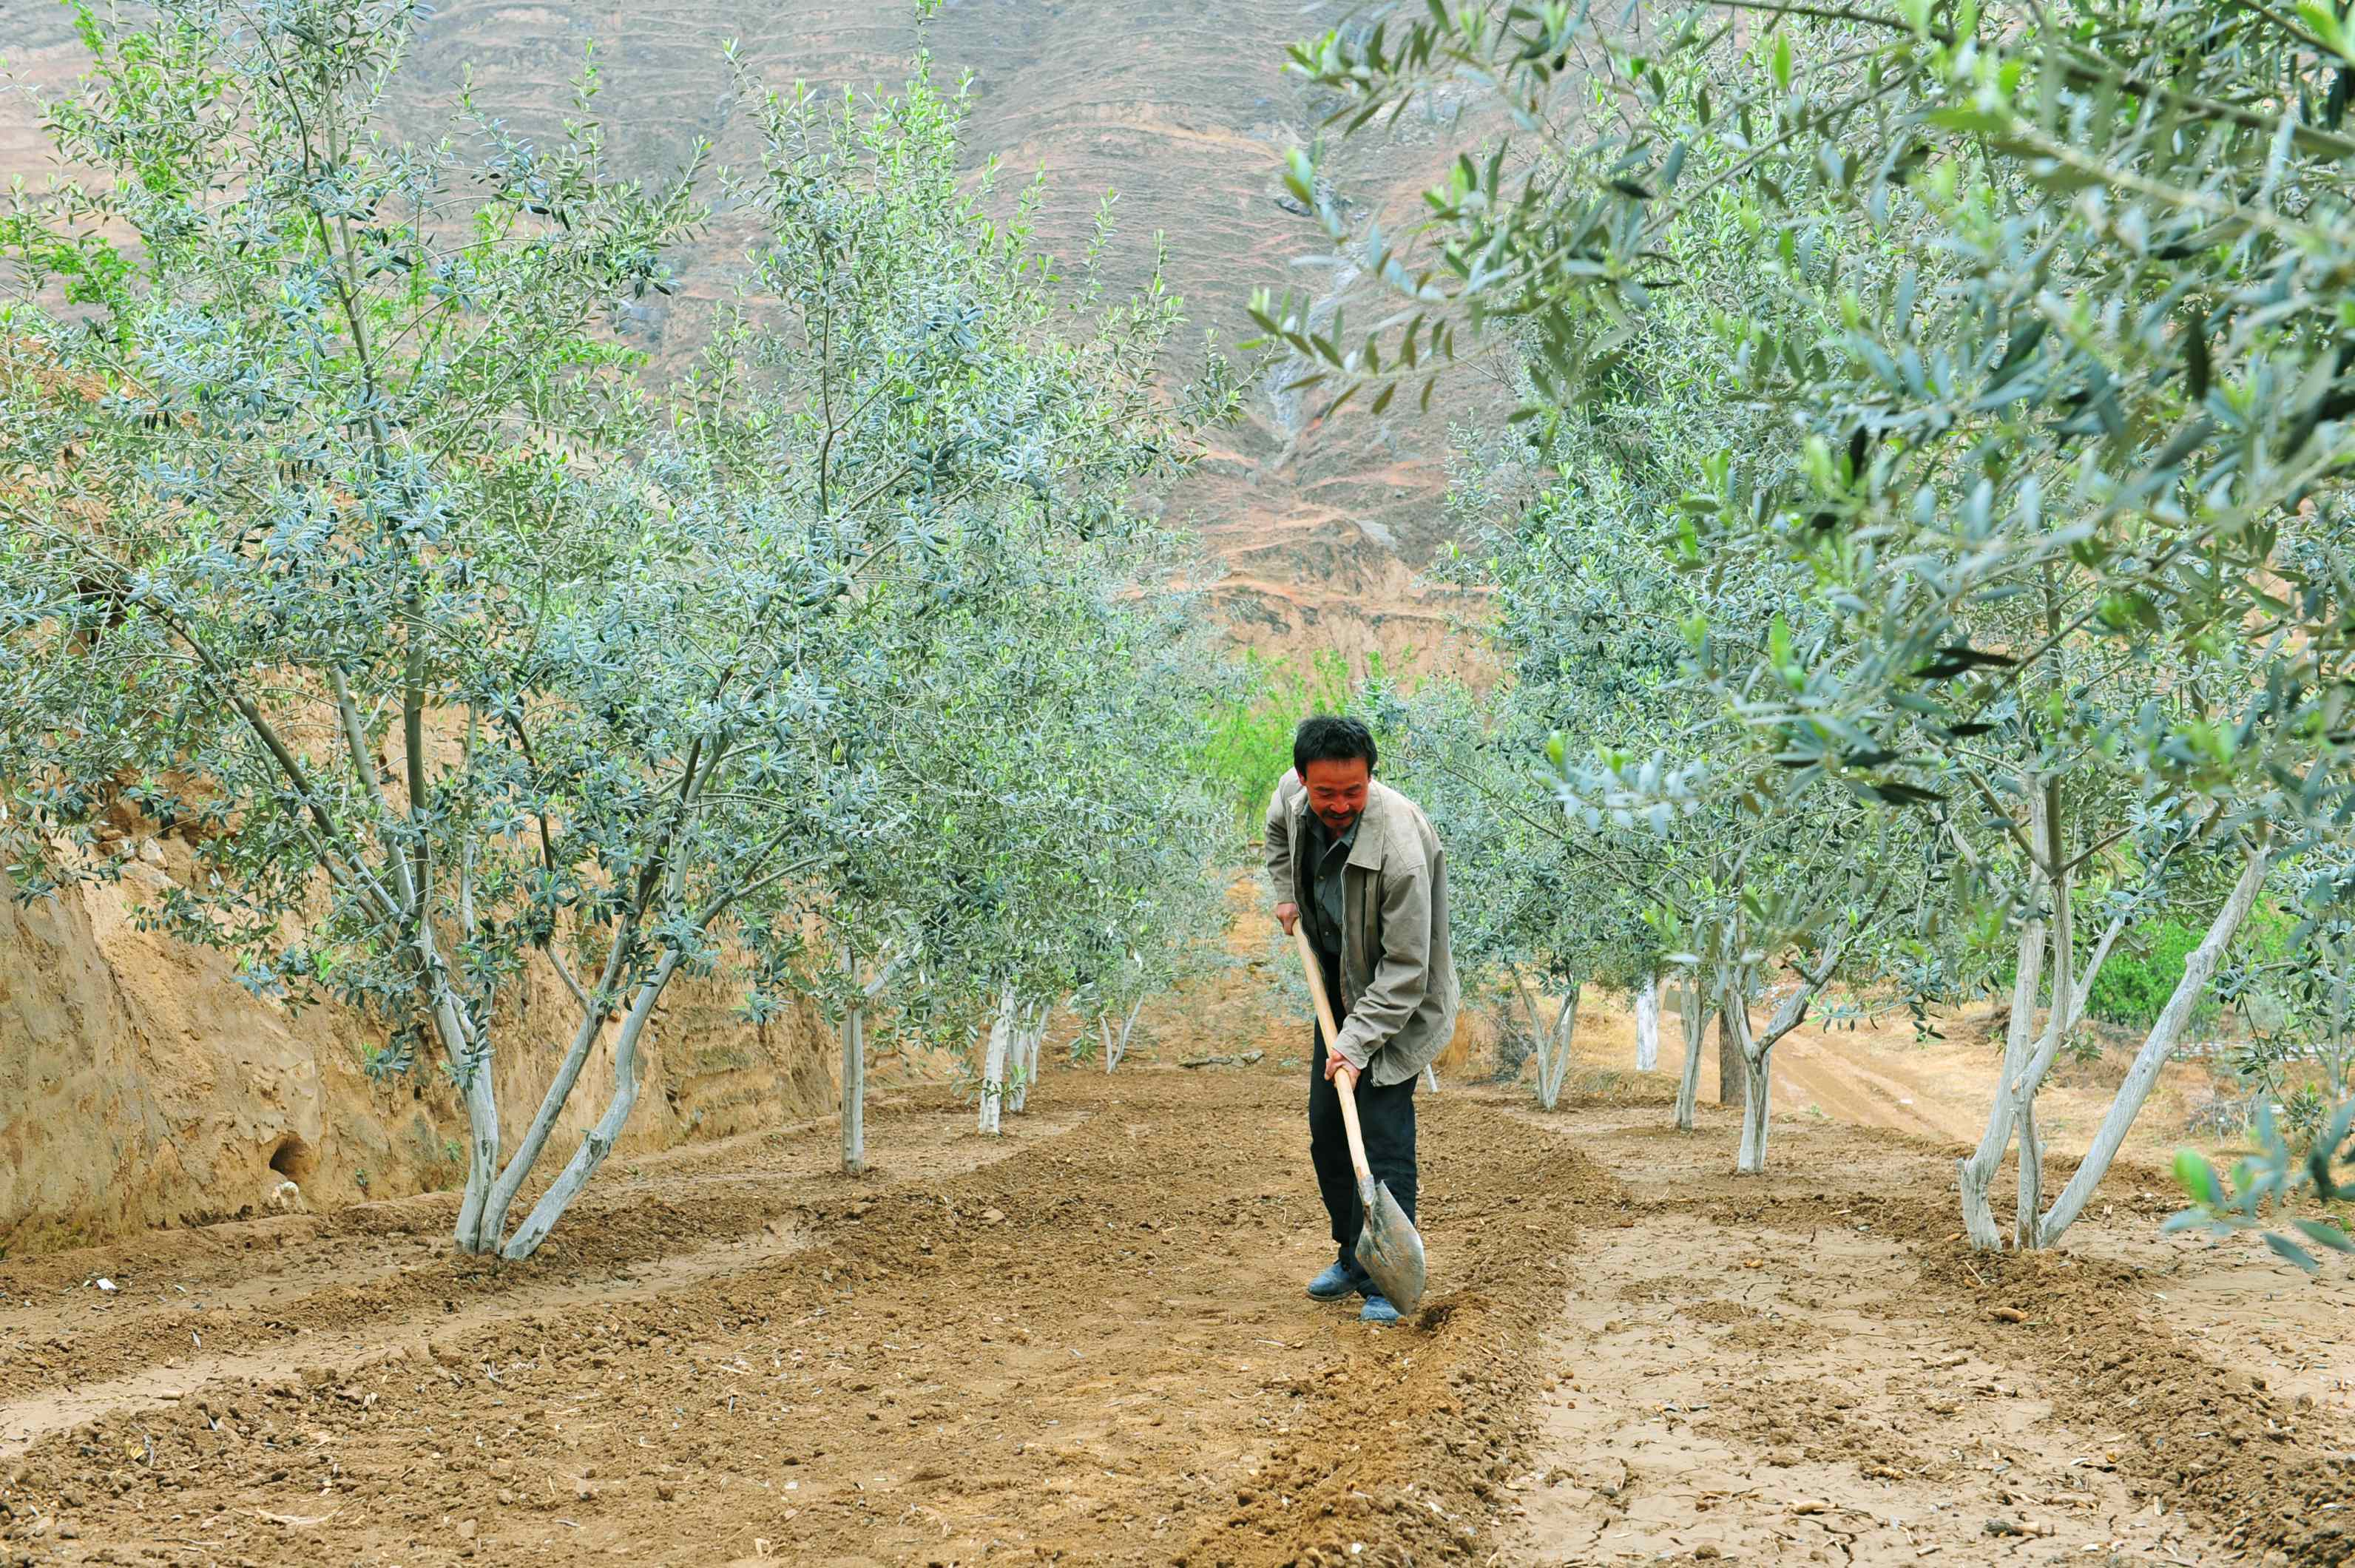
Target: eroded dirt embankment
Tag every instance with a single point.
(140, 1085)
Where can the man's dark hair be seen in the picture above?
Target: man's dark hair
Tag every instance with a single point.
(1329, 737)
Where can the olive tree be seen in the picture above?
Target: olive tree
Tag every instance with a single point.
(315, 558)
(1662, 860)
(1522, 900)
(1603, 617)
(908, 386)
(2047, 315)
(1071, 853)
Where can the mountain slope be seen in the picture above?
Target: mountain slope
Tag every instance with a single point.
(1180, 106)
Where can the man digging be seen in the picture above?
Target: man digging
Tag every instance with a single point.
(1358, 862)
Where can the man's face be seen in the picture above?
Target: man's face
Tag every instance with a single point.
(1336, 793)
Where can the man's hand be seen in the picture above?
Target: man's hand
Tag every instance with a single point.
(1336, 1065)
(1287, 915)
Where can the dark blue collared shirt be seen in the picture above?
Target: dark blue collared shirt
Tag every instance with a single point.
(1327, 855)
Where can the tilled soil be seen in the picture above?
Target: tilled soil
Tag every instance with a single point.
(1811, 1368)
(1087, 1342)
(1095, 1347)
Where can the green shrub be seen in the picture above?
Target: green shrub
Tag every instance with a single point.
(2136, 983)
(1247, 740)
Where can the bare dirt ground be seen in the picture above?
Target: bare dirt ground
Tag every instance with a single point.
(1811, 1370)
(1086, 1342)
(1876, 1074)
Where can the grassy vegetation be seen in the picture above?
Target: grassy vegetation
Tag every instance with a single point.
(1247, 740)
(2135, 982)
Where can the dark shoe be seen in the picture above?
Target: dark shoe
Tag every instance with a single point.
(1377, 1309)
(1337, 1283)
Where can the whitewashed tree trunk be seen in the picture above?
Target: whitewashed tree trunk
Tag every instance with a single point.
(1431, 1076)
(1036, 1050)
(2030, 1170)
(1017, 1068)
(1754, 1052)
(1696, 1022)
(503, 1191)
(1104, 1033)
(480, 1098)
(1750, 1157)
(1530, 1012)
(1731, 1073)
(1128, 1027)
(2156, 1047)
(854, 1080)
(1538, 1035)
(1032, 1030)
(2057, 1029)
(2057, 1025)
(993, 1064)
(1553, 1050)
(1648, 1024)
(600, 1138)
(1031, 1038)
(1975, 1175)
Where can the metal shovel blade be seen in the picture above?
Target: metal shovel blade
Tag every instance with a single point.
(1390, 1249)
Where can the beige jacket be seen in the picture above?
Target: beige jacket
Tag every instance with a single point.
(1398, 978)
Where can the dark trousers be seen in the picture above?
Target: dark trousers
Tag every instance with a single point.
(1385, 1119)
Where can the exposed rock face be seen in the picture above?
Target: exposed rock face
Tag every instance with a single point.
(141, 1085)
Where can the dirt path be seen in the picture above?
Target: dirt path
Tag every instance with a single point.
(1087, 1343)
(1877, 1074)
(250, 1299)
(1764, 1375)
(1094, 1344)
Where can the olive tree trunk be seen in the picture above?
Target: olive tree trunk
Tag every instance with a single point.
(2160, 1044)
(854, 1080)
(1028, 1040)
(1696, 1022)
(1753, 1052)
(1116, 1047)
(1551, 1042)
(1750, 1066)
(1648, 1024)
(1554, 1051)
(1017, 1067)
(2062, 934)
(600, 1138)
(993, 1064)
(1975, 1173)
(1731, 1076)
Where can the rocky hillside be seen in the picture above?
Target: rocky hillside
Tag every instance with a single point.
(1180, 106)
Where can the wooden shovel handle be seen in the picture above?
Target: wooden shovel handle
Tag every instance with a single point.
(1345, 1081)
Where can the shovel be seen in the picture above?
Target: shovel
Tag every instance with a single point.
(1389, 1249)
